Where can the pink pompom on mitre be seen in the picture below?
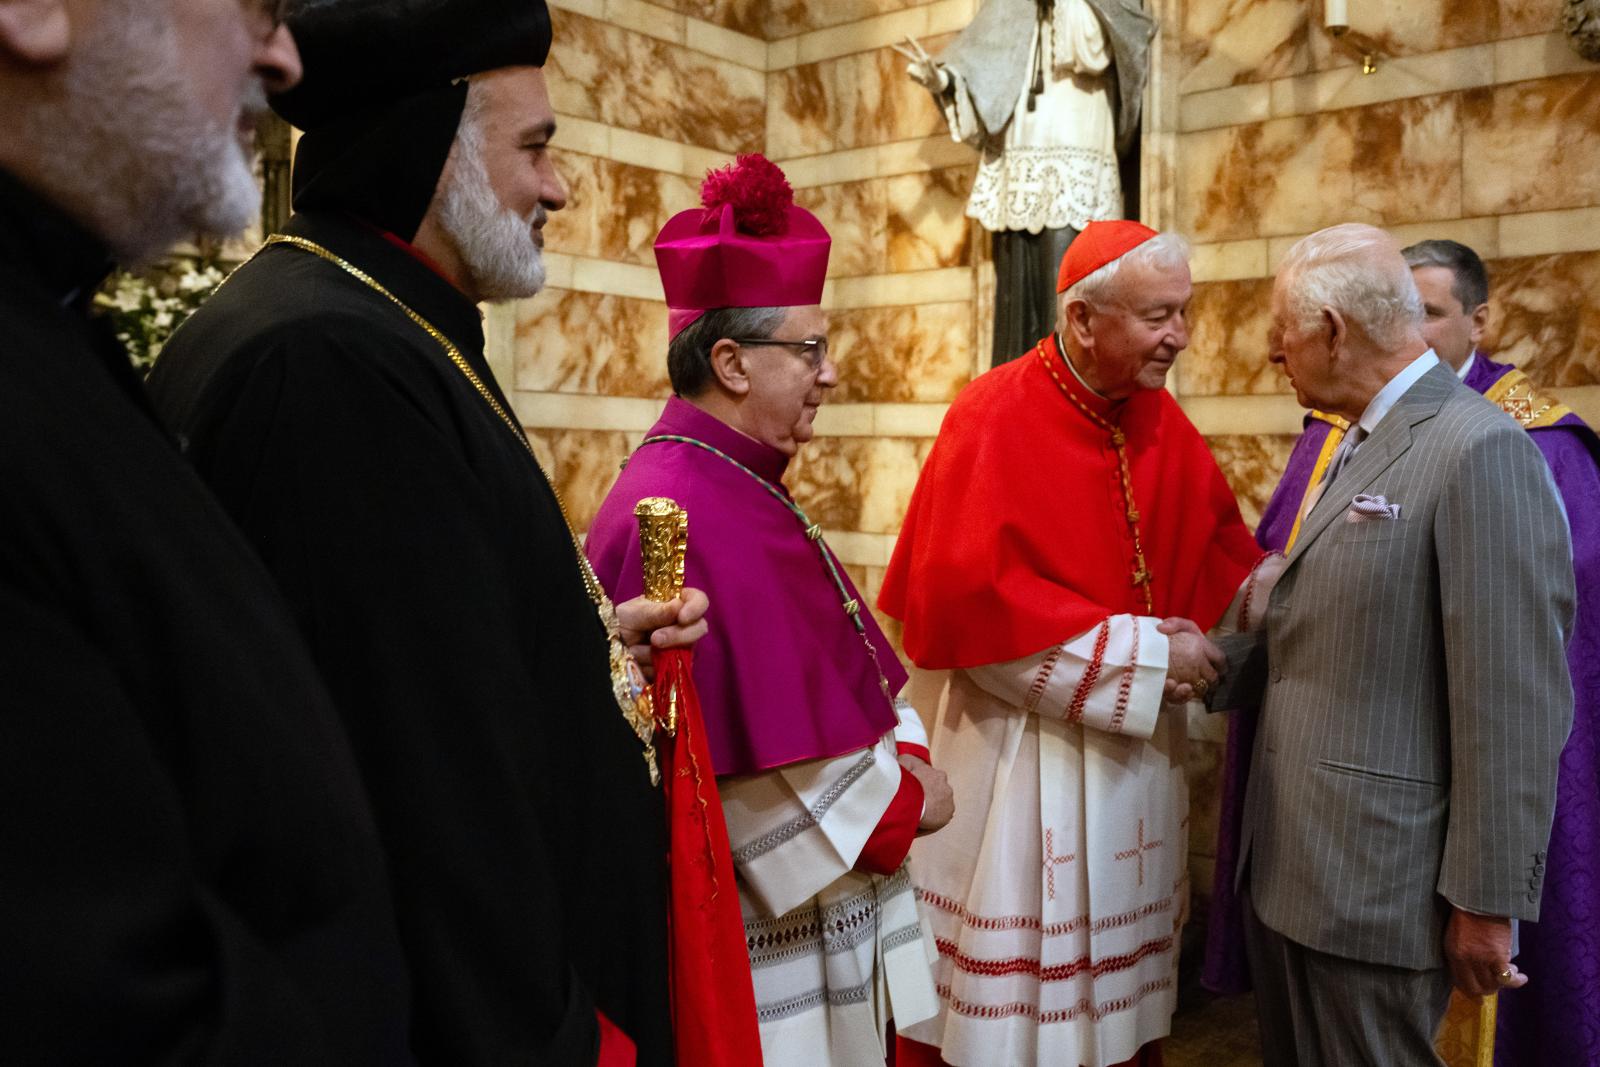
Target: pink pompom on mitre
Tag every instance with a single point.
(756, 189)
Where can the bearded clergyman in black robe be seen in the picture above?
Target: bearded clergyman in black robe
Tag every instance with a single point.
(189, 872)
(335, 394)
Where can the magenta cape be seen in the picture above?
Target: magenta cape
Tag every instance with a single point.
(783, 675)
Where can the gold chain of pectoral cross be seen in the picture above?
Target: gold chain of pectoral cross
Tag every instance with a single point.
(626, 684)
(1119, 441)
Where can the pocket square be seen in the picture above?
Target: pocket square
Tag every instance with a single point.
(1366, 508)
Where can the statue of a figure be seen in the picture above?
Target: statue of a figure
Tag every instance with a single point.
(1049, 91)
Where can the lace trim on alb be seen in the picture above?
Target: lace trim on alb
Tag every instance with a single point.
(1035, 189)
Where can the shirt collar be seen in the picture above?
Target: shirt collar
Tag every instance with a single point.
(1466, 367)
(1390, 394)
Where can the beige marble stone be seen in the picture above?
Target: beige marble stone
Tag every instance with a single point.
(1227, 354)
(583, 465)
(1253, 466)
(926, 221)
(857, 483)
(917, 354)
(848, 102)
(1544, 317)
(856, 215)
(1519, 17)
(593, 343)
(1532, 146)
(1393, 162)
(786, 18)
(614, 210)
(620, 77)
(1226, 42)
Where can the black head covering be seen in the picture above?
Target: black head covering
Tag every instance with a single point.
(382, 95)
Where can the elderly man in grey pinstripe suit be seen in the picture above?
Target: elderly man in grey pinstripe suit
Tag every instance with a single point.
(1412, 680)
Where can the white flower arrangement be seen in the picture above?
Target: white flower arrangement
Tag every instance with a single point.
(144, 309)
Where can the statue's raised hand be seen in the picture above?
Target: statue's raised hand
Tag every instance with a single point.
(922, 68)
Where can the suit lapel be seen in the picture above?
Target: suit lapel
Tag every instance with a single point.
(1391, 441)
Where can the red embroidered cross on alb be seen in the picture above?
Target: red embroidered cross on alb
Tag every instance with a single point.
(1051, 861)
(1138, 851)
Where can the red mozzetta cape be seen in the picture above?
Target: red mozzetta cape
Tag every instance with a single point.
(1017, 538)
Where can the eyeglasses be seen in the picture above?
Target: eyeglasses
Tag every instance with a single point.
(813, 350)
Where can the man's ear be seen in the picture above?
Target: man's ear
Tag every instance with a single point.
(35, 33)
(728, 367)
(1338, 330)
(1480, 324)
(1075, 320)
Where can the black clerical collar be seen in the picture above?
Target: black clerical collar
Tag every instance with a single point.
(40, 246)
(417, 285)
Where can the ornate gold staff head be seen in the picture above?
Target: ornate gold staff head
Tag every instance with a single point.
(663, 542)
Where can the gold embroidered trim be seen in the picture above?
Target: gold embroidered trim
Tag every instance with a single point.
(1526, 402)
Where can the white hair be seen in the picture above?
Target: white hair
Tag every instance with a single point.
(496, 245)
(125, 146)
(1357, 270)
(1164, 251)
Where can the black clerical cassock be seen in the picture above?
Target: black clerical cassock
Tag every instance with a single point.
(353, 428)
(188, 870)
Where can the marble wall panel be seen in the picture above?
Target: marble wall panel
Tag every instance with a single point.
(1229, 42)
(742, 16)
(785, 18)
(1521, 17)
(855, 100)
(917, 354)
(1225, 42)
(614, 210)
(583, 465)
(1545, 318)
(857, 483)
(856, 215)
(889, 225)
(927, 221)
(592, 343)
(1253, 464)
(1394, 162)
(1532, 146)
(1227, 353)
(621, 78)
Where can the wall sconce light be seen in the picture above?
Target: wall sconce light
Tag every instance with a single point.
(1336, 20)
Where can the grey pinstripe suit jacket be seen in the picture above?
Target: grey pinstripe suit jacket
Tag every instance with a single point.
(1414, 689)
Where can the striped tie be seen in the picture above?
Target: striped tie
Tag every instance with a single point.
(1346, 449)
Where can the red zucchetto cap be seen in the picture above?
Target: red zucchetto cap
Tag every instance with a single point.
(747, 246)
(1099, 243)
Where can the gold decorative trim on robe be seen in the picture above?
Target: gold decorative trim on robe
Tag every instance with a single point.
(1531, 406)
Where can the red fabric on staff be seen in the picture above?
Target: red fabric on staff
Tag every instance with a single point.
(713, 1000)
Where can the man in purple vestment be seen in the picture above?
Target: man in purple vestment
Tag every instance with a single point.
(1556, 1017)
(823, 773)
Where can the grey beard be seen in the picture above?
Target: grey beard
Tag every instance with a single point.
(126, 149)
(496, 245)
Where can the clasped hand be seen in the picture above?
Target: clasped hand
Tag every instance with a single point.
(651, 624)
(1193, 663)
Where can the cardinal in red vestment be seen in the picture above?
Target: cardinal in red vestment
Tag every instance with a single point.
(1068, 542)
